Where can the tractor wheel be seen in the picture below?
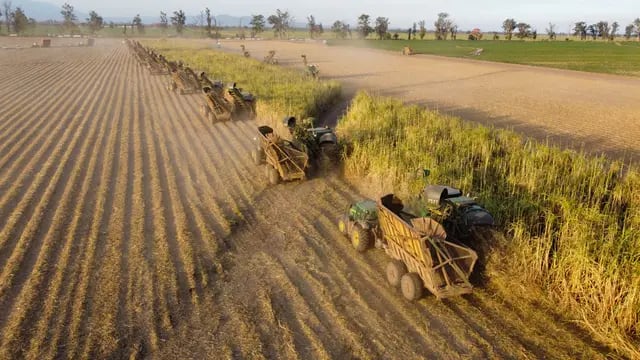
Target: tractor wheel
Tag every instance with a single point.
(258, 156)
(411, 286)
(360, 238)
(272, 175)
(343, 225)
(395, 271)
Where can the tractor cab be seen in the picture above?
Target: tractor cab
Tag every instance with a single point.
(365, 211)
(457, 212)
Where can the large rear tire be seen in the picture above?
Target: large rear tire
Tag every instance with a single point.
(360, 238)
(395, 271)
(411, 286)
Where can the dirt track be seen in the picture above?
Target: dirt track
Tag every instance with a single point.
(596, 111)
(131, 226)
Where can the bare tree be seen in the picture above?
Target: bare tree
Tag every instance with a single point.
(164, 22)
(6, 6)
(551, 31)
(509, 25)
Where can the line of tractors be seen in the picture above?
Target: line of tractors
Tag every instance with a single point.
(220, 102)
(428, 246)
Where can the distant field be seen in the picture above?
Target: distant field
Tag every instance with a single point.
(622, 58)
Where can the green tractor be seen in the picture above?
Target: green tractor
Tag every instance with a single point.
(319, 142)
(460, 215)
(360, 225)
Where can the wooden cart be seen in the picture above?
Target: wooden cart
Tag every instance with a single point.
(283, 160)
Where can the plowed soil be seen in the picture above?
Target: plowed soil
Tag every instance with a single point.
(132, 227)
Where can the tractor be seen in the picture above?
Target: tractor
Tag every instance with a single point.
(312, 69)
(271, 58)
(360, 225)
(459, 214)
(407, 50)
(319, 142)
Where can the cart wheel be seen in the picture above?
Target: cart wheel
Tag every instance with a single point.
(343, 225)
(258, 156)
(395, 271)
(411, 286)
(360, 238)
(204, 109)
(272, 175)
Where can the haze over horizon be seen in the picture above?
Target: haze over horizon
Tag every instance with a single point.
(487, 15)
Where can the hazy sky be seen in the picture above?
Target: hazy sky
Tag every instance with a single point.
(485, 14)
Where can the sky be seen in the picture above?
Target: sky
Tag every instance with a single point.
(484, 14)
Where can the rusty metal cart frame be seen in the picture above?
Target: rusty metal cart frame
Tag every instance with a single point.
(284, 161)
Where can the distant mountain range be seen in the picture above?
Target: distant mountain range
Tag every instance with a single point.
(43, 11)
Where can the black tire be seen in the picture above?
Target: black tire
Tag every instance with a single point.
(411, 286)
(343, 225)
(258, 156)
(360, 238)
(272, 175)
(395, 271)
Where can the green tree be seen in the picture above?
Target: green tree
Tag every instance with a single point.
(178, 20)
(19, 20)
(164, 22)
(580, 29)
(423, 29)
(614, 29)
(339, 29)
(524, 30)
(628, 31)
(636, 22)
(281, 23)
(508, 26)
(382, 26)
(593, 31)
(94, 21)
(603, 29)
(207, 14)
(442, 26)
(68, 17)
(364, 26)
(257, 24)
(137, 23)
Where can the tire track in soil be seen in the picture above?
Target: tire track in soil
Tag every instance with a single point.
(38, 215)
(46, 239)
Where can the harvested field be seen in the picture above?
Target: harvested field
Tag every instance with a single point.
(131, 227)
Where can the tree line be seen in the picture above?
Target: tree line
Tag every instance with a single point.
(281, 23)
